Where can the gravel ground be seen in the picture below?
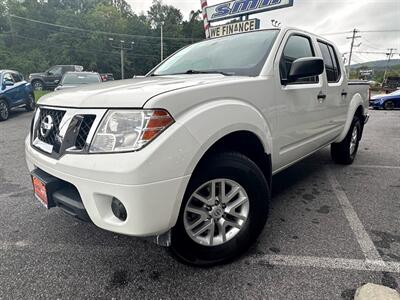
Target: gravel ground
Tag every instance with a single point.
(325, 221)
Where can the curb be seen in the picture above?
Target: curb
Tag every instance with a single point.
(371, 291)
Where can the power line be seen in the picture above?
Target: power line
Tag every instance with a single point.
(362, 31)
(89, 50)
(101, 32)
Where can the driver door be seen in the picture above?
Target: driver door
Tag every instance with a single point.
(300, 106)
(53, 75)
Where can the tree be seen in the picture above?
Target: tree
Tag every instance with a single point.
(35, 45)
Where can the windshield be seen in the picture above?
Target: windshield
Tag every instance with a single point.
(242, 54)
(80, 79)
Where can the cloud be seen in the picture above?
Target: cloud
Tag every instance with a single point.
(323, 16)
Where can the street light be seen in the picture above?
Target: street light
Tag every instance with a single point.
(122, 49)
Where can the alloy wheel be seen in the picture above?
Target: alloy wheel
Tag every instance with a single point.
(216, 212)
(353, 141)
(3, 110)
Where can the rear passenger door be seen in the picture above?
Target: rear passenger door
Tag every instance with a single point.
(336, 89)
(300, 110)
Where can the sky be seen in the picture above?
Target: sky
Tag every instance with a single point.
(323, 17)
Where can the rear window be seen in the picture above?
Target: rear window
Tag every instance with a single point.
(80, 78)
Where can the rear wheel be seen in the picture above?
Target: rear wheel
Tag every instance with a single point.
(389, 105)
(224, 210)
(30, 103)
(38, 85)
(346, 151)
(4, 110)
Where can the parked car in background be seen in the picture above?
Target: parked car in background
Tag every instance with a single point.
(75, 79)
(107, 76)
(14, 92)
(51, 78)
(386, 101)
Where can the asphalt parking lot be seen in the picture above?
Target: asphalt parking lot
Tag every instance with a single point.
(331, 229)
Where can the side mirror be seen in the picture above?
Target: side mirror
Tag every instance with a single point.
(306, 67)
(56, 81)
(49, 73)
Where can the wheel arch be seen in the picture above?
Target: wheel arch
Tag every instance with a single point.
(38, 79)
(229, 125)
(356, 108)
(244, 142)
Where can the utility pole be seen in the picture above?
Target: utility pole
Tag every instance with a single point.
(122, 49)
(162, 42)
(353, 38)
(389, 55)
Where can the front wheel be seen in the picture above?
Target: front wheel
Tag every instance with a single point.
(30, 103)
(224, 210)
(345, 151)
(38, 85)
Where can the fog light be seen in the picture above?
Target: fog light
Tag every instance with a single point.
(118, 209)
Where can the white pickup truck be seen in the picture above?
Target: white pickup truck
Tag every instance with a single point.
(187, 153)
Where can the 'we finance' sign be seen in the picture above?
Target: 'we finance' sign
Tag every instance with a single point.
(232, 28)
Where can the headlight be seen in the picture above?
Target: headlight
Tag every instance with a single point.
(129, 130)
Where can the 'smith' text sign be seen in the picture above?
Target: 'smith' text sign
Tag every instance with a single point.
(238, 8)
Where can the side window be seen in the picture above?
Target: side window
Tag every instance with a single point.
(8, 77)
(335, 60)
(55, 70)
(17, 77)
(297, 46)
(331, 62)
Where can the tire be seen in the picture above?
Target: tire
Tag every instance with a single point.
(232, 169)
(388, 105)
(345, 152)
(30, 103)
(38, 85)
(4, 110)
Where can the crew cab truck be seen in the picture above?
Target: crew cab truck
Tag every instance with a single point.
(187, 153)
(51, 78)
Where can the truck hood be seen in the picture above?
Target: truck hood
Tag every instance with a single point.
(127, 93)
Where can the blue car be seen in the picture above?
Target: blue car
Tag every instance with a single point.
(389, 101)
(14, 92)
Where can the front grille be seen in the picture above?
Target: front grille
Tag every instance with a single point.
(67, 131)
(84, 130)
(57, 116)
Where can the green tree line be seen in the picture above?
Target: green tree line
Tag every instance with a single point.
(36, 34)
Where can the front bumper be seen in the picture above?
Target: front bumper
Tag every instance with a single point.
(150, 183)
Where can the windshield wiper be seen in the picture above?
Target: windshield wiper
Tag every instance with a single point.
(197, 72)
(208, 72)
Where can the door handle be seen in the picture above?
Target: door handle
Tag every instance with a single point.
(344, 94)
(321, 96)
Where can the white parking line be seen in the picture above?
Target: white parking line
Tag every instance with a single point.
(328, 263)
(375, 167)
(363, 239)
